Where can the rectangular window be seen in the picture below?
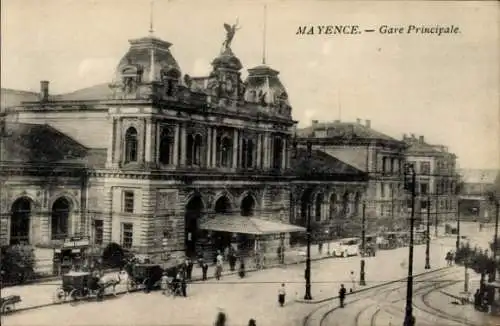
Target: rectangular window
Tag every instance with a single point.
(382, 209)
(423, 204)
(408, 203)
(425, 168)
(98, 232)
(382, 190)
(127, 235)
(128, 201)
(424, 188)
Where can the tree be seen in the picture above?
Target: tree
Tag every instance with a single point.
(113, 255)
(17, 263)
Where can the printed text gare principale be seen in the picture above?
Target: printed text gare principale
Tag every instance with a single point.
(436, 30)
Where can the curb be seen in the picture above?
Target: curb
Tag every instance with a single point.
(368, 287)
(194, 280)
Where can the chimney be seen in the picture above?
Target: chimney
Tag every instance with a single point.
(44, 91)
(314, 122)
(405, 136)
(368, 123)
(421, 139)
(358, 121)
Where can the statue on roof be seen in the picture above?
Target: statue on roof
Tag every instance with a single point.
(230, 31)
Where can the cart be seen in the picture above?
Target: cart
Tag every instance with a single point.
(77, 286)
(143, 276)
(8, 304)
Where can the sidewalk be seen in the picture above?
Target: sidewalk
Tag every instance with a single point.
(43, 293)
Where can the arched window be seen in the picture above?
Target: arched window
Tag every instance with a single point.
(131, 145)
(60, 218)
(277, 153)
(318, 210)
(166, 147)
(333, 206)
(247, 153)
(345, 204)
(194, 144)
(357, 202)
(225, 151)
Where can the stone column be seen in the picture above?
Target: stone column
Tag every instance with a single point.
(240, 150)
(176, 146)
(118, 157)
(214, 147)
(183, 145)
(209, 147)
(111, 143)
(284, 152)
(258, 160)
(150, 141)
(235, 148)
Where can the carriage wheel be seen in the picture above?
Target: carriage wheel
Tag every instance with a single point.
(74, 296)
(59, 295)
(145, 285)
(130, 285)
(5, 308)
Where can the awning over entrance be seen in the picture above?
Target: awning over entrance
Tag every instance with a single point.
(248, 225)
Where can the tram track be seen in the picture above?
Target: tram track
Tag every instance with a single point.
(395, 285)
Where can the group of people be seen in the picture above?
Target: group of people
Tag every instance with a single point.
(450, 258)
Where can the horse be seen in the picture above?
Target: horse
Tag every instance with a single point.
(111, 280)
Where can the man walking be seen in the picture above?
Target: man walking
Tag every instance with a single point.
(281, 295)
(342, 293)
(204, 270)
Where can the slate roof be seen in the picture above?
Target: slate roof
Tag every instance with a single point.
(320, 163)
(343, 130)
(37, 143)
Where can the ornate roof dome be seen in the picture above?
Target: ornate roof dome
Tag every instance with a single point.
(148, 58)
(227, 59)
(263, 86)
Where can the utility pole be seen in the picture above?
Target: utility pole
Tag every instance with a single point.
(307, 295)
(409, 318)
(436, 220)
(428, 234)
(495, 241)
(457, 244)
(362, 281)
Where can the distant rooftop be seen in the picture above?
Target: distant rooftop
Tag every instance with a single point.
(485, 176)
(339, 129)
(418, 145)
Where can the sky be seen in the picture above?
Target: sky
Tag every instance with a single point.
(443, 87)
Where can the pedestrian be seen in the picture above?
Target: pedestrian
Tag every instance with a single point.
(252, 322)
(189, 269)
(164, 283)
(219, 259)
(204, 270)
(320, 248)
(184, 286)
(241, 272)
(232, 260)
(281, 295)
(342, 293)
(353, 282)
(218, 271)
(477, 300)
(221, 319)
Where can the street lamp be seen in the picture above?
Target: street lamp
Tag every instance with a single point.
(307, 295)
(362, 281)
(457, 244)
(409, 319)
(428, 235)
(328, 242)
(495, 240)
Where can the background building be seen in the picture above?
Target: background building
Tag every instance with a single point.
(474, 197)
(377, 155)
(437, 179)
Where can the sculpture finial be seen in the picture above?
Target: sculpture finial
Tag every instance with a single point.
(230, 31)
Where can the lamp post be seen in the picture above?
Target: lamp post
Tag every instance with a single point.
(457, 244)
(495, 240)
(428, 235)
(436, 219)
(409, 319)
(307, 295)
(362, 281)
(327, 232)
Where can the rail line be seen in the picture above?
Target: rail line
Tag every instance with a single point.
(382, 288)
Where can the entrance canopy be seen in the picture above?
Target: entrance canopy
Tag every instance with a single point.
(248, 225)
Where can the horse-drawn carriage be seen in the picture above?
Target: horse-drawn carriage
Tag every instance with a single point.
(82, 285)
(8, 303)
(143, 276)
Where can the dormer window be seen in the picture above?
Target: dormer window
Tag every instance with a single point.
(170, 79)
